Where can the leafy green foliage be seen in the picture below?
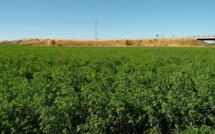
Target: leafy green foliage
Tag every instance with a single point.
(128, 42)
(107, 90)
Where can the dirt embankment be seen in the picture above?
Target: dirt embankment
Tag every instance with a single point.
(179, 42)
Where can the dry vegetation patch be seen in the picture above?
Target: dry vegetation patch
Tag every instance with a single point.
(176, 42)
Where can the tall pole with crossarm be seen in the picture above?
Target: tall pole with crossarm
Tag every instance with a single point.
(95, 32)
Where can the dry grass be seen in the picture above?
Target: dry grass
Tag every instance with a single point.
(177, 42)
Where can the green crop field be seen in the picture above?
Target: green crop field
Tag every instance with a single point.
(99, 90)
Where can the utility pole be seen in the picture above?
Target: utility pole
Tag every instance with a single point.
(95, 32)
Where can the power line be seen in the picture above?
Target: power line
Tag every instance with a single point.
(78, 25)
(45, 22)
(70, 23)
(118, 30)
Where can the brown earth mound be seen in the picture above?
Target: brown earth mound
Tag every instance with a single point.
(179, 42)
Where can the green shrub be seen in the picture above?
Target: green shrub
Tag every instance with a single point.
(128, 42)
(53, 42)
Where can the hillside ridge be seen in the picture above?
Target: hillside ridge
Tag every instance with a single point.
(169, 42)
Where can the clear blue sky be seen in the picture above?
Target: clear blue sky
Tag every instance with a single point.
(117, 19)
